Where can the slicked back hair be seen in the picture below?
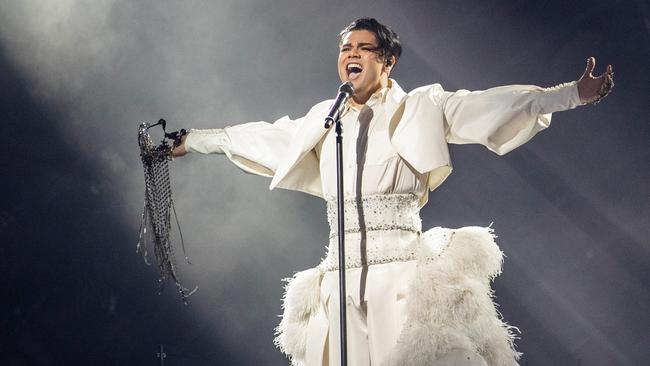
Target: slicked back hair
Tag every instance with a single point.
(388, 43)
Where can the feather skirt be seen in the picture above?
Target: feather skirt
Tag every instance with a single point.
(451, 304)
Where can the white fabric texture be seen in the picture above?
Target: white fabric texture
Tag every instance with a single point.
(394, 145)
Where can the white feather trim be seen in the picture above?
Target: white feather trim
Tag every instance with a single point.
(450, 303)
(300, 301)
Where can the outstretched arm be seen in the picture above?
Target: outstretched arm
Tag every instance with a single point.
(255, 147)
(506, 117)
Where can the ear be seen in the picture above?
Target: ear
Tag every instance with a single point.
(390, 63)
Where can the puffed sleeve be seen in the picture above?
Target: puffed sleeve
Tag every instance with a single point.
(255, 147)
(504, 118)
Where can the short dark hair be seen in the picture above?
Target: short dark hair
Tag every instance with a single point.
(388, 44)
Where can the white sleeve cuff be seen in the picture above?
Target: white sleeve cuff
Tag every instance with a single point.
(208, 141)
(560, 98)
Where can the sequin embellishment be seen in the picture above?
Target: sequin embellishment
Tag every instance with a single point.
(378, 229)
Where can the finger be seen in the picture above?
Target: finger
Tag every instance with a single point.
(610, 81)
(609, 73)
(590, 67)
(591, 64)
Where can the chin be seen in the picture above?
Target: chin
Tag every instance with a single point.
(357, 83)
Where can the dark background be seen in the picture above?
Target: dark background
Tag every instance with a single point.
(571, 208)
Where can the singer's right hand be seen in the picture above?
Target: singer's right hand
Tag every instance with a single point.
(180, 149)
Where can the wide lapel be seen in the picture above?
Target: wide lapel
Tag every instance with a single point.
(303, 141)
(394, 99)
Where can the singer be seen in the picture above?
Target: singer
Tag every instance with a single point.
(413, 297)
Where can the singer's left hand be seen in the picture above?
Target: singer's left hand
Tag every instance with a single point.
(592, 89)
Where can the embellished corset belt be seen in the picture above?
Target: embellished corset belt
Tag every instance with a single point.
(378, 229)
(377, 212)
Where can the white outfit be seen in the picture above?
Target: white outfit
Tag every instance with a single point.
(413, 298)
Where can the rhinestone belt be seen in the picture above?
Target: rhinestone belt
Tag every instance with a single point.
(391, 224)
(376, 213)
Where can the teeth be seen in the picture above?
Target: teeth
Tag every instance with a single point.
(353, 65)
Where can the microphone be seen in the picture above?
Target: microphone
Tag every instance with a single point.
(346, 91)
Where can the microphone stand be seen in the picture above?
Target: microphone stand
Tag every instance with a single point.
(341, 231)
(335, 116)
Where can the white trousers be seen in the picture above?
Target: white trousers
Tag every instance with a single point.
(376, 311)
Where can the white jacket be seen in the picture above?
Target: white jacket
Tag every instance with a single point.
(422, 122)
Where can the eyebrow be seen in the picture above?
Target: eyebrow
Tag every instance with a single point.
(362, 44)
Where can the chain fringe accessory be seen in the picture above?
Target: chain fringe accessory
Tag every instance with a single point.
(155, 227)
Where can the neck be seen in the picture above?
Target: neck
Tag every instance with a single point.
(361, 96)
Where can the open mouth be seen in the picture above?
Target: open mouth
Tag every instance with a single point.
(353, 70)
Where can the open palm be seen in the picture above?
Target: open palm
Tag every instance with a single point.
(592, 89)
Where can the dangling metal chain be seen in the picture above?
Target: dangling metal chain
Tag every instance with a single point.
(158, 206)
